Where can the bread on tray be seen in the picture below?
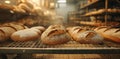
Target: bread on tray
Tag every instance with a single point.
(55, 34)
(84, 36)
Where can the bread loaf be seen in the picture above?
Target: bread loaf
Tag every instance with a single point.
(84, 36)
(55, 34)
(26, 34)
(7, 30)
(112, 34)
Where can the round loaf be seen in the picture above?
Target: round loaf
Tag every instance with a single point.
(55, 34)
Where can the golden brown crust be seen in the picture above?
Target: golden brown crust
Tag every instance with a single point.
(101, 27)
(90, 34)
(82, 35)
(25, 35)
(55, 34)
(117, 31)
(110, 33)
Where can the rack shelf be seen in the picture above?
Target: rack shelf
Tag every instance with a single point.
(90, 5)
(108, 11)
(71, 47)
(108, 6)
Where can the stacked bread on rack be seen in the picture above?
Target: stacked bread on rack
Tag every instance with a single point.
(7, 30)
(28, 34)
(110, 33)
(84, 36)
(101, 11)
(55, 34)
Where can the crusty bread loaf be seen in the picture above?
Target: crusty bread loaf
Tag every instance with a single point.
(27, 34)
(84, 36)
(112, 34)
(55, 34)
(7, 30)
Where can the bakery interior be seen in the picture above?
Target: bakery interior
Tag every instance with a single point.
(59, 29)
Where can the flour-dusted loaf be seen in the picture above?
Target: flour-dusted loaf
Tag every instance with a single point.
(112, 34)
(55, 34)
(7, 30)
(27, 34)
(84, 36)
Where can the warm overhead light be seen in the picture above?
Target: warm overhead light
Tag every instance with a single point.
(52, 5)
(8, 2)
(61, 1)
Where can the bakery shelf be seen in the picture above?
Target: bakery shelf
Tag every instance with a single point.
(91, 23)
(71, 47)
(97, 3)
(90, 5)
(103, 12)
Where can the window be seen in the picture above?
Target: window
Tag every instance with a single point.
(61, 1)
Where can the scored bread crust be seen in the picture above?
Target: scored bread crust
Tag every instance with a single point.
(112, 34)
(84, 36)
(55, 34)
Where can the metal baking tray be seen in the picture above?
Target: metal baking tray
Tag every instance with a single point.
(71, 47)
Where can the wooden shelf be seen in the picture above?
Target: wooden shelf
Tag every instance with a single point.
(91, 23)
(97, 23)
(108, 11)
(97, 4)
(90, 4)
